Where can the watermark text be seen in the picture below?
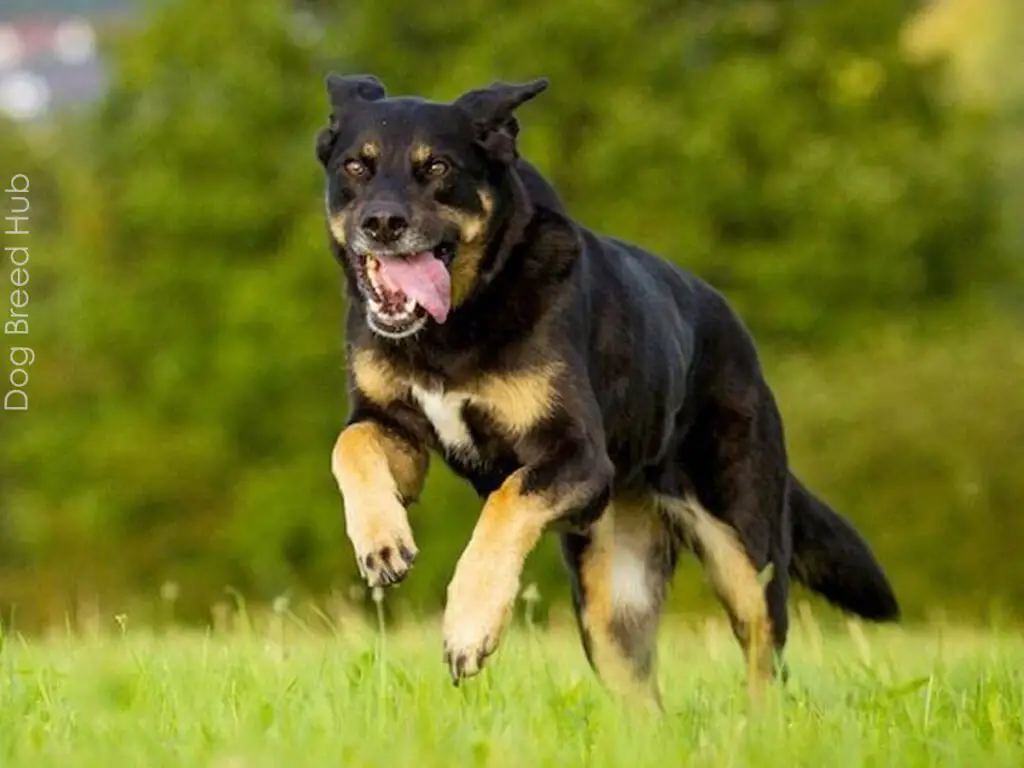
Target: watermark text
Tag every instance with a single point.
(17, 228)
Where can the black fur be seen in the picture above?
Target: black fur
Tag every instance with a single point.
(832, 559)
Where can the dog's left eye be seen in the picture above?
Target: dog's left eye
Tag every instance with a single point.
(437, 168)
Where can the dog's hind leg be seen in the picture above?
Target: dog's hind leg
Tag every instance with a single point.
(742, 584)
(736, 520)
(620, 571)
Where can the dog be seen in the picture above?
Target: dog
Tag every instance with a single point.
(581, 384)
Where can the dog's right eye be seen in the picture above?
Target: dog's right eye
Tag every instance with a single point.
(356, 168)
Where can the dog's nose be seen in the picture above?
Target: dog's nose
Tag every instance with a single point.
(384, 222)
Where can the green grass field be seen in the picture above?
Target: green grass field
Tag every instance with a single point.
(294, 697)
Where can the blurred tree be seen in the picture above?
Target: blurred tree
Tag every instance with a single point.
(189, 440)
(784, 150)
(190, 375)
(983, 39)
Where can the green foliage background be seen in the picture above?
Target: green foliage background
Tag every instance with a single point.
(187, 315)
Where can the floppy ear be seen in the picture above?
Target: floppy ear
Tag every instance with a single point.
(491, 110)
(343, 92)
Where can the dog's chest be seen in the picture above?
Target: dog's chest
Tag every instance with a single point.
(446, 412)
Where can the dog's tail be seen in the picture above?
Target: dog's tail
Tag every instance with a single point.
(831, 558)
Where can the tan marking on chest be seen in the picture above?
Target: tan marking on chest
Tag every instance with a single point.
(519, 401)
(516, 402)
(376, 379)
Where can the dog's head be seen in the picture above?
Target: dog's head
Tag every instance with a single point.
(416, 193)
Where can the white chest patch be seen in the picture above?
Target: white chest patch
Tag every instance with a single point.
(444, 411)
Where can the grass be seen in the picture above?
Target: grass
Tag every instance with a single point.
(291, 696)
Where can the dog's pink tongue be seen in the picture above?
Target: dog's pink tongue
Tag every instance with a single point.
(423, 278)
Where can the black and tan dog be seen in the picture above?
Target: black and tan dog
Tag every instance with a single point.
(581, 385)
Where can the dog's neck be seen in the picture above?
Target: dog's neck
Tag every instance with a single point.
(511, 225)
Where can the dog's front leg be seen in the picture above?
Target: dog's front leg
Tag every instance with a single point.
(378, 472)
(483, 591)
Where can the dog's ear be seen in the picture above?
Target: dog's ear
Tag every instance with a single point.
(346, 89)
(492, 111)
(343, 92)
(325, 140)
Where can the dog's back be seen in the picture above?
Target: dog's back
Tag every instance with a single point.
(654, 336)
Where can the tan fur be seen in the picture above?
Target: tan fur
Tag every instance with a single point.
(736, 583)
(376, 379)
(518, 400)
(408, 466)
(370, 150)
(483, 590)
(472, 228)
(374, 472)
(486, 200)
(621, 584)
(336, 223)
(421, 153)
(465, 270)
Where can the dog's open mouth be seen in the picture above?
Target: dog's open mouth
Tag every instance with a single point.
(407, 289)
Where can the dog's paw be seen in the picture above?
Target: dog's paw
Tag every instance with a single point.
(465, 656)
(383, 565)
(479, 606)
(385, 550)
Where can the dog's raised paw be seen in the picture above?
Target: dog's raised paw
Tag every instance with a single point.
(386, 556)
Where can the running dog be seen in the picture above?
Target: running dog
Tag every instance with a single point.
(581, 384)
